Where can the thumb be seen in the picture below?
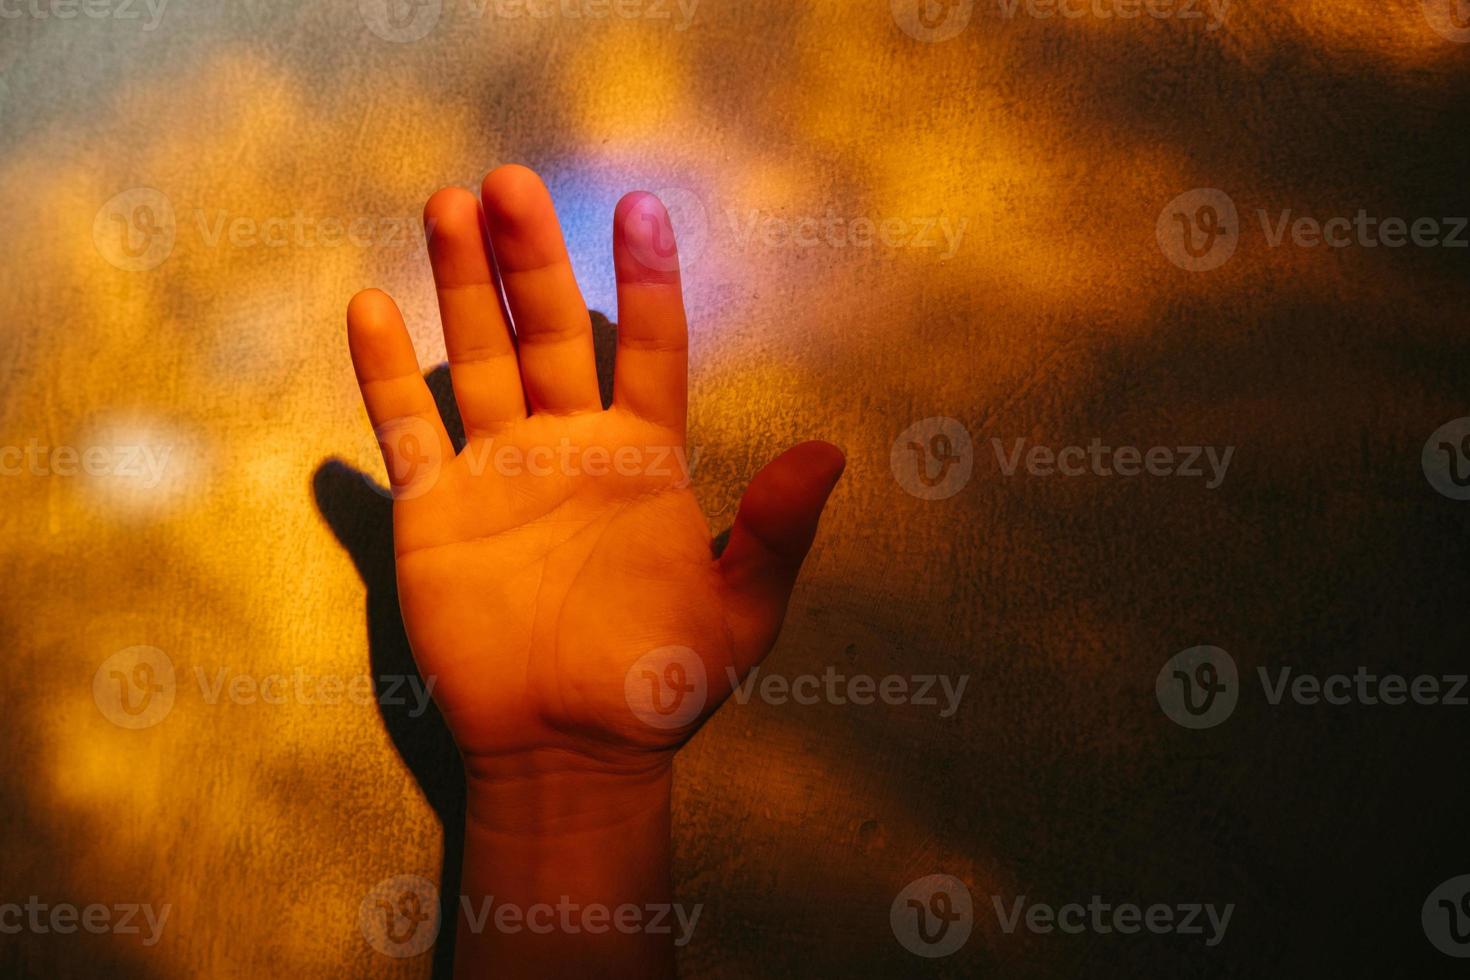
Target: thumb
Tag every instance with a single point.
(772, 533)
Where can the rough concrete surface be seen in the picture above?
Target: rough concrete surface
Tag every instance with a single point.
(188, 201)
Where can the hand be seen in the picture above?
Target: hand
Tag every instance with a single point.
(556, 576)
(563, 544)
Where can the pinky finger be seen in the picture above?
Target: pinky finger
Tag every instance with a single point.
(405, 419)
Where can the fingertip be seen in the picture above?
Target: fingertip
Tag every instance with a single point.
(823, 454)
(639, 202)
(645, 250)
(376, 336)
(513, 194)
(819, 460)
(785, 500)
(451, 211)
(368, 309)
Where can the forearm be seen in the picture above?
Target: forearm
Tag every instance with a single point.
(564, 874)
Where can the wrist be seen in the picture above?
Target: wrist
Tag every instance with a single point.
(552, 794)
(566, 866)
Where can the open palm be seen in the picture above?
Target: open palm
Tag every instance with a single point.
(556, 576)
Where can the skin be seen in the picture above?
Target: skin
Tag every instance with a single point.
(556, 576)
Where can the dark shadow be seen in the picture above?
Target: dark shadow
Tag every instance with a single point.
(360, 514)
(362, 519)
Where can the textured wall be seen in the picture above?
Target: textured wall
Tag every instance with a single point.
(190, 195)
